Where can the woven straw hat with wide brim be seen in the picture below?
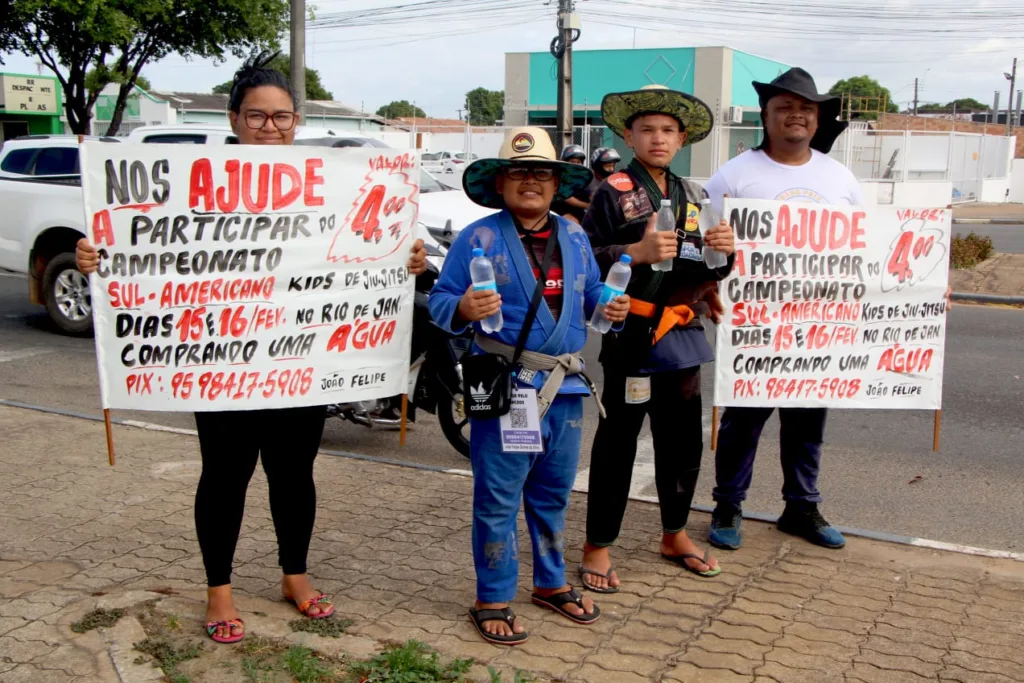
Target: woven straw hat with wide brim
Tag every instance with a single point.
(619, 109)
(522, 147)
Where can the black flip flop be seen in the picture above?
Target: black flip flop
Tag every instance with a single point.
(586, 584)
(479, 616)
(557, 603)
(681, 561)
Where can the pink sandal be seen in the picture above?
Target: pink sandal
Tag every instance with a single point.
(320, 601)
(213, 626)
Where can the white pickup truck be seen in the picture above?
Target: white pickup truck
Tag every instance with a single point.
(42, 218)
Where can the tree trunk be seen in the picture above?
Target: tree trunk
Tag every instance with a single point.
(122, 101)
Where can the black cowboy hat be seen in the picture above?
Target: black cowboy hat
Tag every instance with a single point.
(798, 82)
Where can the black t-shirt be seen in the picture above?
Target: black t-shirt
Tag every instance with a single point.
(536, 243)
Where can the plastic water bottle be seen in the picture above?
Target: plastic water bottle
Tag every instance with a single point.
(666, 223)
(708, 219)
(614, 286)
(481, 271)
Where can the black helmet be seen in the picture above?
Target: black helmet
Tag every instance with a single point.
(604, 155)
(573, 152)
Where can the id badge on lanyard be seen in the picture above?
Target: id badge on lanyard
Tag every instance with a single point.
(520, 427)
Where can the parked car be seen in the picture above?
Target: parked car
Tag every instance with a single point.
(42, 155)
(458, 163)
(40, 190)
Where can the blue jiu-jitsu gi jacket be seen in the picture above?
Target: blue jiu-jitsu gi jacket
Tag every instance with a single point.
(497, 236)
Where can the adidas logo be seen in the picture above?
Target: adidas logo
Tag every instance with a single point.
(479, 394)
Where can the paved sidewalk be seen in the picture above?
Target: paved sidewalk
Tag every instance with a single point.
(1002, 275)
(1004, 213)
(392, 548)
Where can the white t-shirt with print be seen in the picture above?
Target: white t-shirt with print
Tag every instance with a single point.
(753, 175)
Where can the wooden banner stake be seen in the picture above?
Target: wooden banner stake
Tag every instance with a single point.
(110, 436)
(405, 416)
(714, 428)
(935, 435)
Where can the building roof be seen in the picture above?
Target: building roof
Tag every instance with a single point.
(219, 103)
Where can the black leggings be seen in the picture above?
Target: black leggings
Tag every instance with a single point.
(286, 440)
(675, 412)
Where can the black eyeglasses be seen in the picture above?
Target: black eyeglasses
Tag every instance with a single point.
(283, 120)
(540, 174)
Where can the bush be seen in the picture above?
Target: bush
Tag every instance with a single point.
(967, 252)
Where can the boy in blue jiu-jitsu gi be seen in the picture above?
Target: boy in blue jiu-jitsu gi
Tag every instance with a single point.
(530, 453)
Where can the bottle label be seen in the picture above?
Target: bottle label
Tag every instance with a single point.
(609, 293)
(489, 284)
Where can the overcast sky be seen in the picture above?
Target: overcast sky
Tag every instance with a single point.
(958, 49)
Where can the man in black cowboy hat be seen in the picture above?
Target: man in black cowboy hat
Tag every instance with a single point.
(791, 164)
(652, 367)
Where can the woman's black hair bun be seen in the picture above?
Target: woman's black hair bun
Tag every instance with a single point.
(257, 72)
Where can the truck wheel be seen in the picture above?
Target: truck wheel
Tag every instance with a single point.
(67, 295)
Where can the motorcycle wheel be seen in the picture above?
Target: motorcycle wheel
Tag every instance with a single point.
(455, 423)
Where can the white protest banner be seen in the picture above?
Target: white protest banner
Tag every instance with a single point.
(245, 277)
(829, 306)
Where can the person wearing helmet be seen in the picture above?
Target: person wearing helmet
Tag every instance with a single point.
(574, 207)
(602, 163)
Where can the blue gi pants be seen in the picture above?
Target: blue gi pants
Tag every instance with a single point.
(801, 436)
(543, 481)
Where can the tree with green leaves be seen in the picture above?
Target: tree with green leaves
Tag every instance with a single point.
(117, 38)
(315, 89)
(865, 97)
(968, 104)
(99, 79)
(401, 109)
(486, 107)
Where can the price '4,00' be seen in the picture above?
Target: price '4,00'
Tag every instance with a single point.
(908, 248)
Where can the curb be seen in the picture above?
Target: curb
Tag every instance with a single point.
(988, 221)
(869, 534)
(988, 298)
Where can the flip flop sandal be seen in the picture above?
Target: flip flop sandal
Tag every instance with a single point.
(479, 616)
(681, 561)
(557, 603)
(586, 584)
(318, 601)
(213, 626)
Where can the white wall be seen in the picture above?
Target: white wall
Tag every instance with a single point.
(994, 190)
(1017, 181)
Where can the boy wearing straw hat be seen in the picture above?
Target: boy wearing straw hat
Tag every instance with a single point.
(652, 367)
(546, 286)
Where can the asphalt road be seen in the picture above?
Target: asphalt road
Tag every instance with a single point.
(971, 492)
(1008, 239)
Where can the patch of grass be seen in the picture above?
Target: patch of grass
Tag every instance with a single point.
(260, 659)
(307, 666)
(97, 618)
(331, 627)
(411, 662)
(173, 622)
(520, 676)
(970, 250)
(168, 655)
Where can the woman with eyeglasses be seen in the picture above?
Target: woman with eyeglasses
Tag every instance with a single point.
(262, 111)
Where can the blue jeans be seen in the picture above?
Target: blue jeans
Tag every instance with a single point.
(801, 436)
(543, 481)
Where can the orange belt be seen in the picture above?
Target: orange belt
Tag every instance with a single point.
(671, 316)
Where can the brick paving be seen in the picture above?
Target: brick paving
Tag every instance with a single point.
(392, 549)
(1002, 274)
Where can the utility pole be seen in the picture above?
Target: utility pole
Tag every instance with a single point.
(1009, 103)
(298, 51)
(915, 97)
(568, 23)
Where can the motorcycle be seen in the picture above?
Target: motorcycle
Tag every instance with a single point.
(435, 372)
